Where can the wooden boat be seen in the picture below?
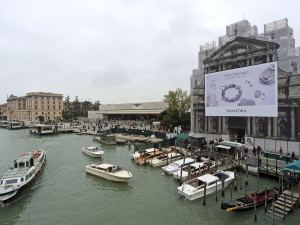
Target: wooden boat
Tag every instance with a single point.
(148, 156)
(247, 202)
(164, 159)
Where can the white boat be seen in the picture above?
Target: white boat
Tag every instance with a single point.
(194, 189)
(147, 156)
(92, 151)
(137, 154)
(25, 170)
(15, 125)
(4, 124)
(109, 172)
(164, 159)
(196, 168)
(173, 167)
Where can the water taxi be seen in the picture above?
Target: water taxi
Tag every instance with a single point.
(109, 172)
(92, 151)
(25, 170)
(4, 124)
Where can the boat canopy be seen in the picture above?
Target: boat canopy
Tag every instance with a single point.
(223, 146)
(105, 166)
(208, 178)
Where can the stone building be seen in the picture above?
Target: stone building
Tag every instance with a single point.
(242, 46)
(3, 111)
(34, 105)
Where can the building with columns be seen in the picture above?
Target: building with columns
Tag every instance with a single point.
(242, 46)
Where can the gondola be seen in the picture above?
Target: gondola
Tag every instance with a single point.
(247, 202)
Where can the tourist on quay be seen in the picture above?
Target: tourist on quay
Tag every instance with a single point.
(280, 150)
(293, 156)
(259, 150)
(254, 151)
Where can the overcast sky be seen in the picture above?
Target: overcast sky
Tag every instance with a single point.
(117, 51)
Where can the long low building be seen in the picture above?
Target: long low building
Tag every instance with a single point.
(129, 111)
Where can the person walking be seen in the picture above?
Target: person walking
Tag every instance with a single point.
(254, 151)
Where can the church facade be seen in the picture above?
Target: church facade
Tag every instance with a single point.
(243, 47)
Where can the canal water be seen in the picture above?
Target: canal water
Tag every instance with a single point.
(65, 194)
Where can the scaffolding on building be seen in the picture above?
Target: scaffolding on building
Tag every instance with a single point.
(276, 25)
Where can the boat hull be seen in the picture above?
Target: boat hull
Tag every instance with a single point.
(92, 154)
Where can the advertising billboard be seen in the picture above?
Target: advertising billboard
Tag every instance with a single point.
(248, 91)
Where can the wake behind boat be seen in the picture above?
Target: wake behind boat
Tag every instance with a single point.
(109, 172)
(25, 170)
(92, 151)
(247, 202)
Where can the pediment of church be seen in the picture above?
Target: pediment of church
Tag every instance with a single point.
(241, 46)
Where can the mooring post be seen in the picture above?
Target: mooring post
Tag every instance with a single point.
(235, 183)
(223, 192)
(204, 197)
(255, 217)
(245, 189)
(199, 171)
(145, 157)
(168, 157)
(241, 174)
(217, 191)
(257, 181)
(273, 208)
(284, 195)
(246, 174)
(189, 171)
(265, 199)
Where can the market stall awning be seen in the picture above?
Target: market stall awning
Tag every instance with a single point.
(223, 146)
(182, 136)
(196, 135)
(294, 166)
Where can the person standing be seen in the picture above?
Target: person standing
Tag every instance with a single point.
(280, 150)
(254, 151)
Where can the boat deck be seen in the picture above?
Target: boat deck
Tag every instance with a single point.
(16, 172)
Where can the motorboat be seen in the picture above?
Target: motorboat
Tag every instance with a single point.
(194, 188)
(196, 168)
(108, 172)
(25, 170)
(146, 157)
(137, 154)
(92, 151)
(173, 167)
(245, 203)
(164, 159)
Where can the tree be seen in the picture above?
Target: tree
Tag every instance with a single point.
(177, 110)
(41, 119)
(86, 105)
(76, 108)
(96, 105)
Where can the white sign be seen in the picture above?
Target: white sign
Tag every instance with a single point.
(248, 91)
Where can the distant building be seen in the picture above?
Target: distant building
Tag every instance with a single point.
(129, 111)
(3, 111)
(34, 105)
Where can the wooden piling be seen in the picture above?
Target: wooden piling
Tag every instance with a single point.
(241, 186)
(257, 181)
(199, 171)
(265, 199)
(216, 191)
(246, 174)
(204, 197)
(235, 183)
(273, 208)
(145, 157)
(245, 188)
(216, 160)
(255, 216)
(189, 171)
(223, 192)
(284, 196)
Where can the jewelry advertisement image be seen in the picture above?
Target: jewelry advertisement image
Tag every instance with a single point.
(248, 91)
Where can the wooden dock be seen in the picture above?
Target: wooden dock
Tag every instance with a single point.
(284, 204)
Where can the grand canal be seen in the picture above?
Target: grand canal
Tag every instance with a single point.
(65, 194)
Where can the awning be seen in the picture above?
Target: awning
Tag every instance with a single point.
(182, 136)
(293, 167)
(223, 146)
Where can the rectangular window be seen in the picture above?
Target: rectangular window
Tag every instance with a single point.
(54, 107)
(48, 98)
(58, 107)
(54, 113)
(36, 113)
(48, 107)
(36, 107)
(42, 107)
(48, 103)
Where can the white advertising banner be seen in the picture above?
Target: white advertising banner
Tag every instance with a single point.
(248, 91)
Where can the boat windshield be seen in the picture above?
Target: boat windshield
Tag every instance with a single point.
(21, 164)
(12, 181)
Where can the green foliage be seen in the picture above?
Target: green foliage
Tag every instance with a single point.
(41, 118)
(177, 111)
(96, 105)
